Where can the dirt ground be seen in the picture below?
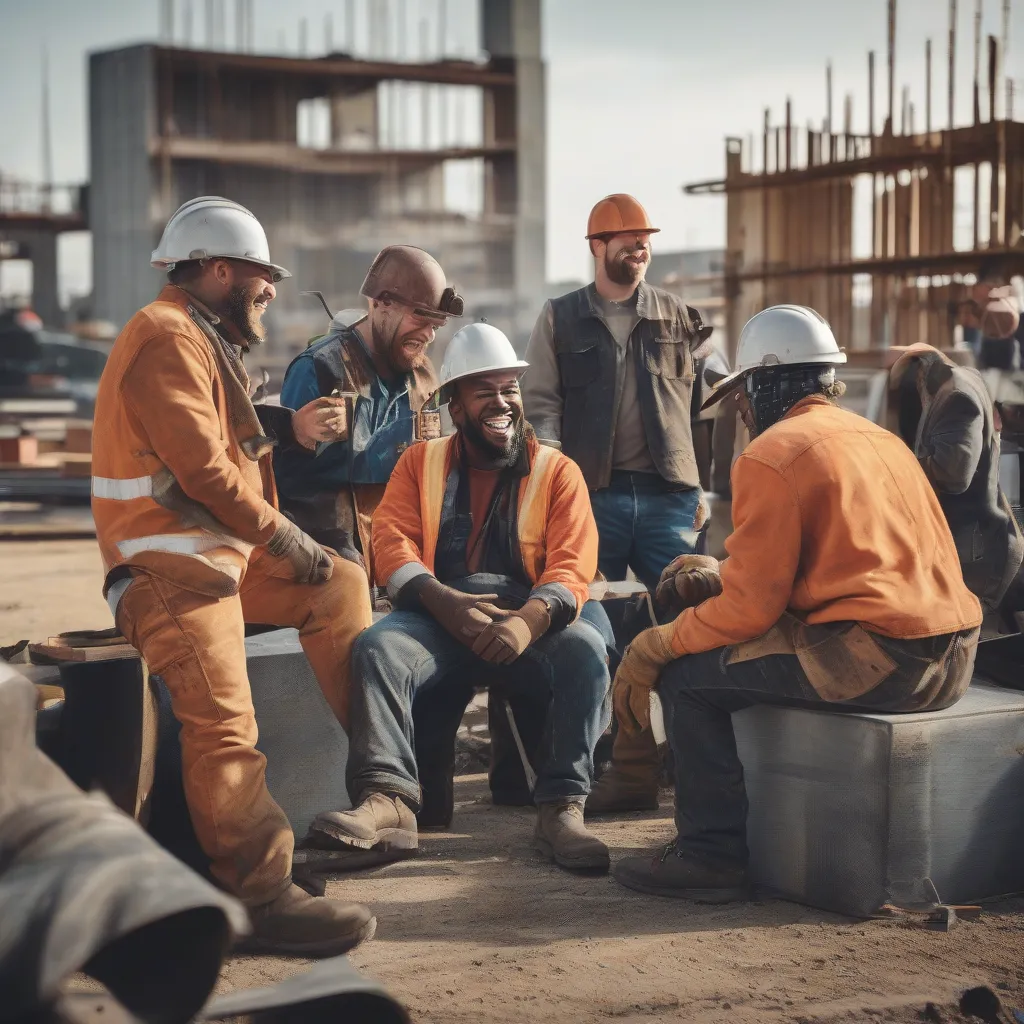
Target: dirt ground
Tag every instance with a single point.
(478, 928)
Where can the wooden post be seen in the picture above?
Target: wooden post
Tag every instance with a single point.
(993, 74)
(767, 130)
(789, 133)
(871, 93)
(952, 62)
(828, 98)
(904, 106)
(928, 86)
(977, 62)
(892, 64)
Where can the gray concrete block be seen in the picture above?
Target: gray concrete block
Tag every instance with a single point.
(305, 747)
(851, 811)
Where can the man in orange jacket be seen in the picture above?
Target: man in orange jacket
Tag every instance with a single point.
(842, 587)
(194, 546)
(487, 545)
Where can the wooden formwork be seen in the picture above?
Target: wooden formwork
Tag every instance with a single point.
(790, 224)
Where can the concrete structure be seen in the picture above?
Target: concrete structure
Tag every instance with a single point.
(697, 276)
(31, 218)
(337, 157)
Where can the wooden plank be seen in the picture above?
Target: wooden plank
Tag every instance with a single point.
(57, 649)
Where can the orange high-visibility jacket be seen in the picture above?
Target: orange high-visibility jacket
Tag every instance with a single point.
(557, 533)
(162, 427)
(833, 521)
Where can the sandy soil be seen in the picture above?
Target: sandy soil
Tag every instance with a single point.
(479, 928)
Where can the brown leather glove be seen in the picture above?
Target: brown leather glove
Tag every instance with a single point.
(686, 582)
(459, 613)
(323, 419)
(510, 633)
(310, 562)
(638, 674)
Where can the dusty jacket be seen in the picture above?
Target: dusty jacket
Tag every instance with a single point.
(182, 482)
(573, 389)
(554, 523)
(833, 521)
(948, 423)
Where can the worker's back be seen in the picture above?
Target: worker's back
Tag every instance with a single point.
(875, 545)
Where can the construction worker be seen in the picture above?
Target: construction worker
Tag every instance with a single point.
(945, 414)
(842, 588)
(614, 368)
(487, 545)
(194, 546)
(382, 362)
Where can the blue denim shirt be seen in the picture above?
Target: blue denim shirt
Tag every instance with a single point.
(383, 421)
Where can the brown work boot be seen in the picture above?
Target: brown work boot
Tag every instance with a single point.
(562, 837)
(683, 877)
(303, 925)
(631, 783)
(382, 820)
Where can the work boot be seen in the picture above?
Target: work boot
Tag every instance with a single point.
(684, 877)
(305, 925)
(382, 820)
(631, 783)
(562, 837)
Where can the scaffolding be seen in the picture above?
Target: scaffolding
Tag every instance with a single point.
(791, 223)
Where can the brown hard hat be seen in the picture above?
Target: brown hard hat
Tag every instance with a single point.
(413, 277)
(617, 213)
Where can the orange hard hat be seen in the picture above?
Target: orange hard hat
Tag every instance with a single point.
(617, 213)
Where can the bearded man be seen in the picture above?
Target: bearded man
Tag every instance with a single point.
(194, 546)
(381, 362)
(614, 367)
(487, 545)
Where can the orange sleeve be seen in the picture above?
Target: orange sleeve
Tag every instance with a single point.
(397, 531)
(571, 555)
(169, 388)
(758, 575)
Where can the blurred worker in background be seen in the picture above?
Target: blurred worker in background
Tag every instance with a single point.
(614, 367)
(991, 318)
(487, 545)
(194, 546)
(381, 364)
(842, 589)
(945, 414)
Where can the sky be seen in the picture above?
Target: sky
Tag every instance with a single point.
(640, 93)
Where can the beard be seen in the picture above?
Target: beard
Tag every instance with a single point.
(501, 456)
(622, 271)
(388, 343)
(244, 315)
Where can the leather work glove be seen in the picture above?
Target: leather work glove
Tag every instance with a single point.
(510, 633)
(323, 419)
(686, 582)
(310, 562)
(459, 613)
(638, 674)
(340, 543)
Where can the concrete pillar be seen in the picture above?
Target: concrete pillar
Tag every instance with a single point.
(41, 248)
(512, 29)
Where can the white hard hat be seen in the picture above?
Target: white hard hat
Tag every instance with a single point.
(209, 227)
(477, 348)
(780, 336)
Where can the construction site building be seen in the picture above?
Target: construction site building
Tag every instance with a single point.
(337, 157)
(864, 228)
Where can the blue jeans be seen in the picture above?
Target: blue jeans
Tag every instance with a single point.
(408, 652)
(642, 525)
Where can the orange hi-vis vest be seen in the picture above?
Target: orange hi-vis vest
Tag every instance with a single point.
(556, 531)
(173, 491)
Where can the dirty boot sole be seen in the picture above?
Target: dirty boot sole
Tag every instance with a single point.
(598, 861)
(329, 836)
(335, 947)
(734, 894)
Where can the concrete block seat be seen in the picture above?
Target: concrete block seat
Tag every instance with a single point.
(852, 811)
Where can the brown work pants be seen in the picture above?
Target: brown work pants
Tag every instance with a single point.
(196, 644)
